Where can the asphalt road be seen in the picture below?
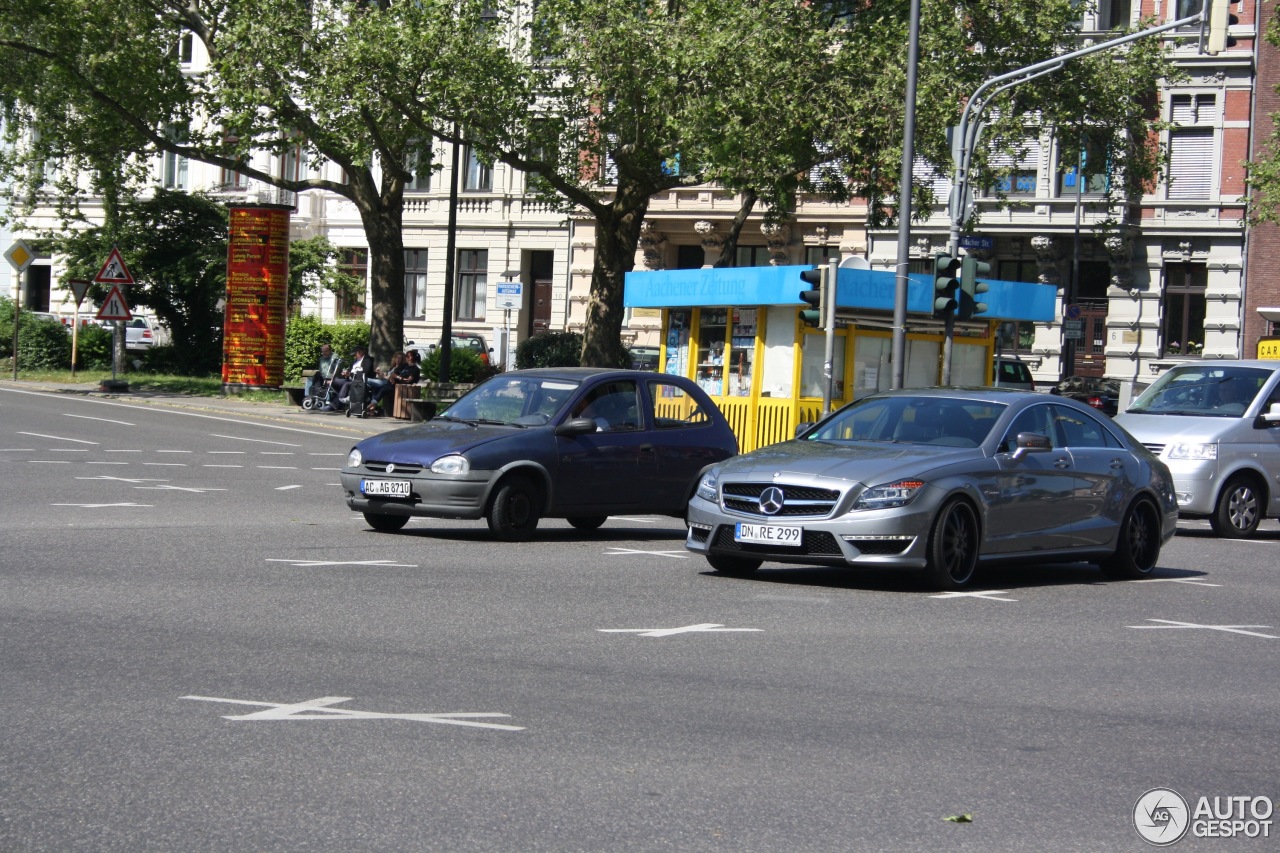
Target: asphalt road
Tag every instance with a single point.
(203, 649)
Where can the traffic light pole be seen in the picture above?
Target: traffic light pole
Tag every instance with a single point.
(829, 325)
(970, 127)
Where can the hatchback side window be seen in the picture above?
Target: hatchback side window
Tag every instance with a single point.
(674, 408)
(612, 405)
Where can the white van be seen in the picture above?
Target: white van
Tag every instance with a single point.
(1216, 424)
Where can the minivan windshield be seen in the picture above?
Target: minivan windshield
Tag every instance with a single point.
(1203, 390)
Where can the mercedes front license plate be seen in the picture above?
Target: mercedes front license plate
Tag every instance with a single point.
(385, 488)
(768, 534)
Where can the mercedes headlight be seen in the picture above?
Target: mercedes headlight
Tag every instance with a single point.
(709, 486)
(354, 458)
(456, 465)
(889, 495)
(1199, 452)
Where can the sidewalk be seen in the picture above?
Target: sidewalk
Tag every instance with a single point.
(281, 412)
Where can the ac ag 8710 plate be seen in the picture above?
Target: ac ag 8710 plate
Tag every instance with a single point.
(385, 488)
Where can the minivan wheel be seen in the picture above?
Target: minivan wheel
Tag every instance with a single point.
(953, 546)
(1238, 511)
(1138, 545)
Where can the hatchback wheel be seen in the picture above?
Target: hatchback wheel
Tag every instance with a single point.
(953, 546)
(385, 523)
(1239, 510)
(587, 522)
(1138, 545)
(514, 513)
(737, 567)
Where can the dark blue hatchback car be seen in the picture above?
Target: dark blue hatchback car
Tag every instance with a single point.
(574, 443)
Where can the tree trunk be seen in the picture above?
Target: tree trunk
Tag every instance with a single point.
(730, 247)
(616, 238)
(382, 229)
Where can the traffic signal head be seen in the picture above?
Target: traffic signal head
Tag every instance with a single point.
(1220, 22)
(945, 284)
(970, 287)
(815, 295)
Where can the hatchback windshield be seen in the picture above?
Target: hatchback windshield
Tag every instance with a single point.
(1216, 392)
(523, 401)
(913, 420)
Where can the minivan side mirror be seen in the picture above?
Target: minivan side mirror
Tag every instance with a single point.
(1272, 415)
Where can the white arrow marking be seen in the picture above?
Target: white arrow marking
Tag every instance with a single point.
(705, 627)
(985, 595)
(1176, 580)
(1230, 629)
(313, 563)
(615, 551)
(318, 709)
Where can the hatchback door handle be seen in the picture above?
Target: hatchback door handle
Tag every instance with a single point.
(646, 448)
(1117, 463)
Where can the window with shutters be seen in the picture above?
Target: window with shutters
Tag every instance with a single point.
(1192, 146)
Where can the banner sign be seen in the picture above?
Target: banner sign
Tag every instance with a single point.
(257, 297)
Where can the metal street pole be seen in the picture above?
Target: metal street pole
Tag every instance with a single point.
(450, 249)
(897, 353)
(829, 322)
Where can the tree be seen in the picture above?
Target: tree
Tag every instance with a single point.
(175, 245)
(94, 91)
(313, 267)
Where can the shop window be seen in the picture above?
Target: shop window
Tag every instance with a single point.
(742, 351)
(712, 325)
(678, 327)
(1182, 328)
(813, 355)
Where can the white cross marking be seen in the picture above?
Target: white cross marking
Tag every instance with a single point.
(313, 563)
(1230, 629)
(1177, 580)
(615, 551)
(707, 627)
(98, 506)
(985, 595)
(319, 710)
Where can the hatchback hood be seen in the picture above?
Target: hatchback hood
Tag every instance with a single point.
(425, 443)
(871, 463)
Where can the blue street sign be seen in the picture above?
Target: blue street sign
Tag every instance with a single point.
(968, 241)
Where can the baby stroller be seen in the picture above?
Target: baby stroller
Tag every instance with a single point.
(322, 388)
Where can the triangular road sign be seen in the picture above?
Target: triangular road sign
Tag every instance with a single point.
(79, 286)
(114, 307)
(114, 271)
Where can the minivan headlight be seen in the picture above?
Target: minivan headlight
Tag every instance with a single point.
(709, 486)
(1200, 452)
(889, 495)
(456, 465)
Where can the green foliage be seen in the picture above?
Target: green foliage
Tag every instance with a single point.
(93, 348)
(42, 344)
(464, 366)
(313, 267)
(303, 337)
(550, 349)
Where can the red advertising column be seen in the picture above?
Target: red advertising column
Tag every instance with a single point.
(257, 296)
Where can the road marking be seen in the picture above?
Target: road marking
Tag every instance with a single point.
(99, 506)
(174, 451)
(307, 564)
(326, 454)
(276, 452)
(1230, 629)
(329, 469)
(1176, 580)
(616, 551)
(124, 479)
(228, 452)
(286, 488)
(112, 450)
(17, 450)
(985, 595)
(50, 461)
(320, 709)
(105, 463)
(180, 489)
(633, 518)
(705, 627)
(104, 420)
(276, 467)
(255, 440)
(215, 465)
(68, 450)
(58, 438)
(166, 464)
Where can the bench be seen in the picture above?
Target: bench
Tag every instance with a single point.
(421, 402)
(293, 394)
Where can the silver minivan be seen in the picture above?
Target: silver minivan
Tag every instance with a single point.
(1216, 424)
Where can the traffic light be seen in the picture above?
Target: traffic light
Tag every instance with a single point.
(1220, 22)
(815, 295)
(970, 287)
(945, 284)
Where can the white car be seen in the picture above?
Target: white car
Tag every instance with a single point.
(139, 333)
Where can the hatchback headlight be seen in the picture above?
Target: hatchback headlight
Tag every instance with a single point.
(1201, 452)
(709, 486)
(889, 495)
(354, 458)
(456, 465)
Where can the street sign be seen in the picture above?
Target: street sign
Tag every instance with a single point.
(1072, 312)
(969, 241)
(114, 271)
(20, 256)
(114, 307)
(1073, 330)
(510, 294)
(79, 287)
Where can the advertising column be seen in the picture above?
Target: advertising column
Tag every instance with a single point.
(257, 295)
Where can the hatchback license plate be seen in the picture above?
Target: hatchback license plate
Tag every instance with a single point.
(385, 488)
(768, 534)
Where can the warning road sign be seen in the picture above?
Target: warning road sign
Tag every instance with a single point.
(114, 307)
(114, 272)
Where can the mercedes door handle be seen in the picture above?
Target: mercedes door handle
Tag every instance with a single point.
(1061, 463)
